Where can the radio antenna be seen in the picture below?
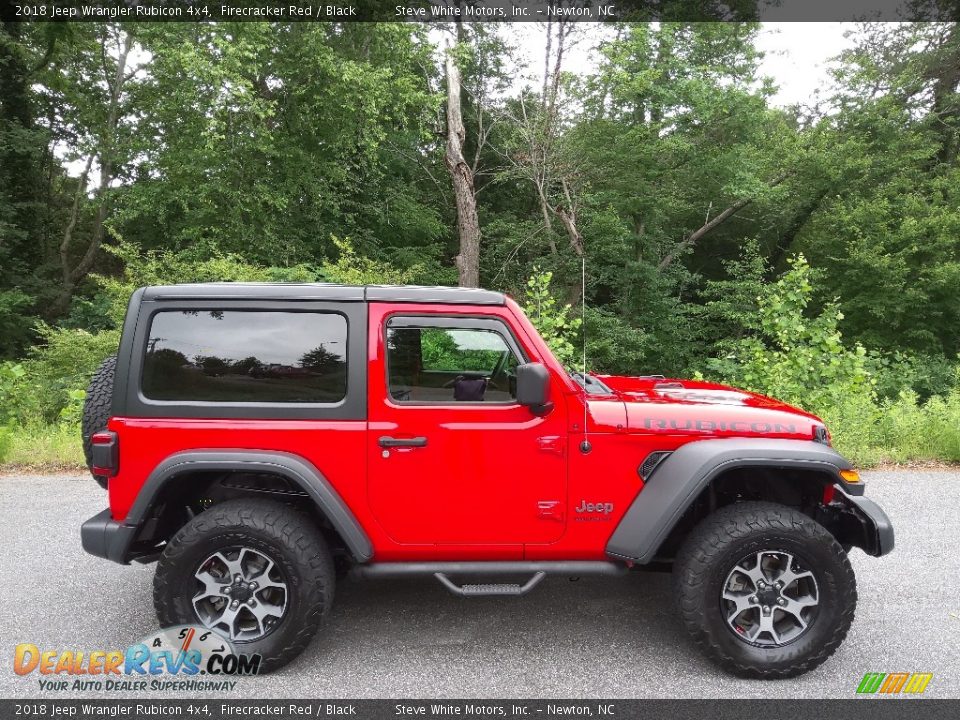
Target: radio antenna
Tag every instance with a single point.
(585, 446)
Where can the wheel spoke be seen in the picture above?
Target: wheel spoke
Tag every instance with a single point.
(233, 566)
(211, 585)
(264, 610)
(265, 582)
(755, 574)
(796, 608)
(766, 626)
(229, 618)
(244, 560)
(788, 577)
(268, 584)
(741, 604)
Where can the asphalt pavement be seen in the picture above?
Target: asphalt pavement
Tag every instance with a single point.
(596, 637)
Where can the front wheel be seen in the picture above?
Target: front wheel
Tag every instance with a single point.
(764, 590)
(256, 571)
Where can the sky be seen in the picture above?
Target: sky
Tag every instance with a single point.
(797, 57)
(796, 54)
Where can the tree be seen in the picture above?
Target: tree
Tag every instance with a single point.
(95, 87)
(461, 175)
(888, 229)
(268, 139)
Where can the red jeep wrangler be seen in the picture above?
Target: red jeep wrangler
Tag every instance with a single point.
(257, 438)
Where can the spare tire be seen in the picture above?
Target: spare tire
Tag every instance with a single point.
(96, 409)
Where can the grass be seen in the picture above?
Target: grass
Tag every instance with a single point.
(46, 448)
(899, 432)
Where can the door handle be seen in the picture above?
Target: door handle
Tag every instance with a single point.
(391, 442)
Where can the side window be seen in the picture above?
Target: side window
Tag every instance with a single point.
(229, 356)
(448, 365)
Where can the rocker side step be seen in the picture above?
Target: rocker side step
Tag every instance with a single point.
(487, 589)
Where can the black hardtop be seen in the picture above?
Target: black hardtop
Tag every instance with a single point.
(324, 291)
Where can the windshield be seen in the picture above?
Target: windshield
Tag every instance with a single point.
(590, 384)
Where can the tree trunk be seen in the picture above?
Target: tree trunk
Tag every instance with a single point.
(72, 276)
(568, 216)
(468, 225)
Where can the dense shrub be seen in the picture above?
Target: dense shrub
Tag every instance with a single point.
(801, 358)
(552, 321)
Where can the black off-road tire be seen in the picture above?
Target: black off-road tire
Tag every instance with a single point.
(96, 409)
(285, 535)
(718, 543)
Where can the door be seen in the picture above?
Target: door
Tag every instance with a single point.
(453, 459)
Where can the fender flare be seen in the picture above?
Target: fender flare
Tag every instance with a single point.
(292, 467)
(678, 480)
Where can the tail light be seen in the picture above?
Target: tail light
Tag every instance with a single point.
(105, 453)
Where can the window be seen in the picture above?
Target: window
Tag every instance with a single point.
(448, 364)
(231, 356)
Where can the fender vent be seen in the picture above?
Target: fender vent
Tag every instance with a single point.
(650, 464)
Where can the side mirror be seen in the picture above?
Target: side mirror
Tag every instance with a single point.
(533, 387)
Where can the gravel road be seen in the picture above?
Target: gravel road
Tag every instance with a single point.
(598, 637)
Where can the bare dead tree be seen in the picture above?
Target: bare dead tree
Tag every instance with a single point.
(462, 176)
(539, 163)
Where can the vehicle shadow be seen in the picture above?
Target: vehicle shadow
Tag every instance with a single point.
(562, 635)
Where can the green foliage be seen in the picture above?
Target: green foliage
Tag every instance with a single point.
(57, 372)
(440, 351)
(553, 323)
(802, 359)
(352, 269)
(795, 357)
(11, 376)
(615, 346)
(925, 375)
(910, 431)
(15, 322)
(729, 305)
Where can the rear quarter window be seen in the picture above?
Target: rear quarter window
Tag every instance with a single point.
(246, 356)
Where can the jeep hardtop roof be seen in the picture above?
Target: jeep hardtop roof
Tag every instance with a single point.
(324, 291)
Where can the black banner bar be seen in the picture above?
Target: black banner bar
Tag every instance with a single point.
(873, 708)
(475, 10)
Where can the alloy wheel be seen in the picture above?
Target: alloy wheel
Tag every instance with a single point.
(241, 592)
(769, 599)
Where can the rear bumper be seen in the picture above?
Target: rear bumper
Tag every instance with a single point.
(876, 529)
(104, 537)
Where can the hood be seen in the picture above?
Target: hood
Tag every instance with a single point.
(692, 407)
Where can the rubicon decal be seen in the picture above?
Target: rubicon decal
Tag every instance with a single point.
(651, 423)
(894, 683)
(182, 651)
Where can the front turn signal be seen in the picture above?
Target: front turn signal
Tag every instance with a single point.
(851, 476)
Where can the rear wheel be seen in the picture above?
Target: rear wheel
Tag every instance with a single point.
(764, 590)
(256, 571)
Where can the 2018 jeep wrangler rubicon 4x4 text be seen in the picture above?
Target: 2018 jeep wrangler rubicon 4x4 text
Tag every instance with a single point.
(257, 438)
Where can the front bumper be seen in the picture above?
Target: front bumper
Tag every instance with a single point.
(104, 537)
(874, 527)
